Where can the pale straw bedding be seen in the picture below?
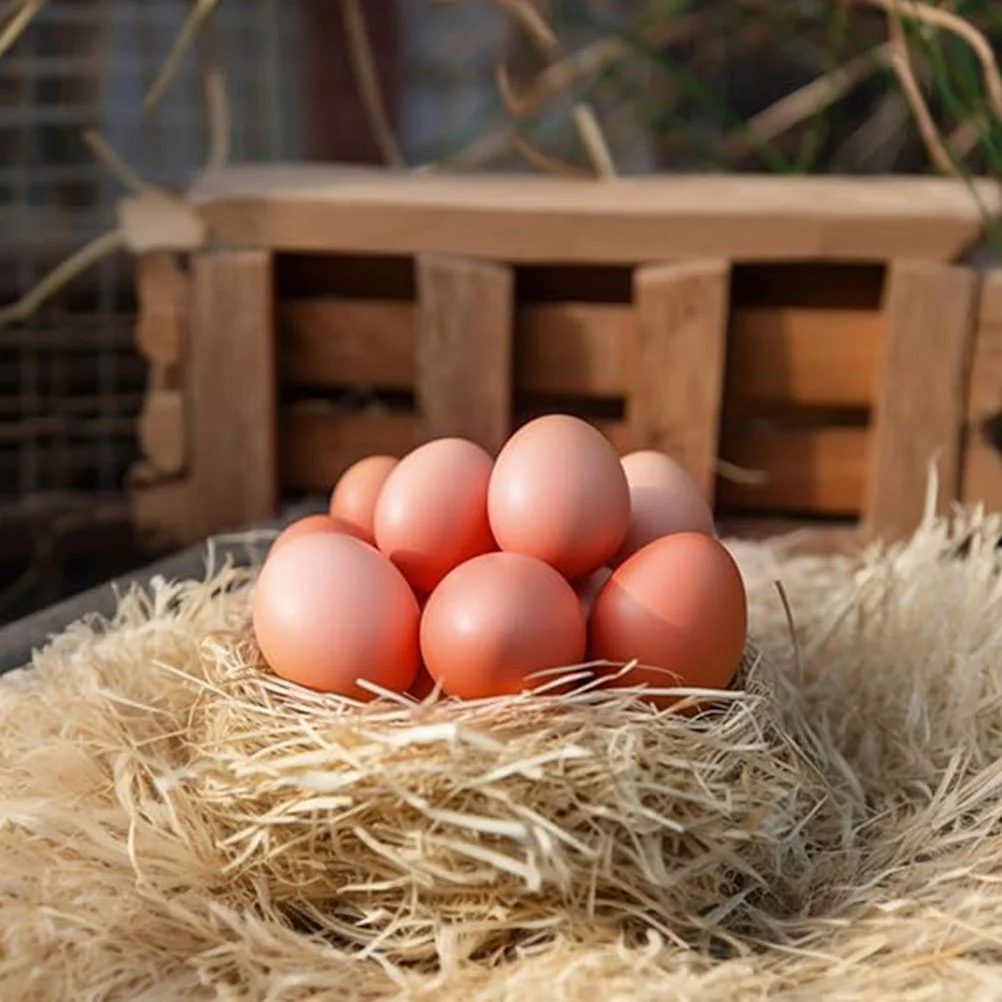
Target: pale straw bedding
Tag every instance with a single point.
(177, 824)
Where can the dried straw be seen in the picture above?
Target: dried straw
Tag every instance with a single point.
(175, 823)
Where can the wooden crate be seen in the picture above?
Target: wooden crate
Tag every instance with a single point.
(818, 334)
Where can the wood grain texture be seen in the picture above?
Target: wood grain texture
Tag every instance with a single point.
(793, 356)
(813, 470)
(346, 341)
(820, 471)
(162, 431)
(231, 374)
(919, 418)
(630, 220)
(981, 476)
(802, 357)
(319, 442)
(464, 349)
(676, 393)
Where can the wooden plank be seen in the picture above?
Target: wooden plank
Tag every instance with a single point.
(346, 341)
(981, 476)
(319, 442)
(162, 431)
(231, 375)
(574, 349)
(464, 348)
(794, 356)
(920, 409)
(676, 394)
(807, 357)
(819, 471)
(636, 219)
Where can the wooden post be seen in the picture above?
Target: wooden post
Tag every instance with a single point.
(930, 310)
(981, 476)
(464, 348)
(675, 398)
(231, 375)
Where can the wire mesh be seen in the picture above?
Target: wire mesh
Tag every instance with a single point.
(71, 383)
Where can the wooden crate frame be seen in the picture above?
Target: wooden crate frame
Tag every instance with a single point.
(225, 341)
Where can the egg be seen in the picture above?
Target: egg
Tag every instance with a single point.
(432, 511)
(356, 493)
(496, 620)
(309, 525)
(558, 493)
(678, 607)
(329, 609)
(663, 499)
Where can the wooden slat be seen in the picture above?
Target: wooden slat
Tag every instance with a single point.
(162, 430)
(346, 341)
(318, 443)
(231, 375)
(630, 220)
(794, 356)
(464, 349)
(806, 470)
(574, 349)
(799, 356)
(919, 416)
(820, 470)
(676, 394)
(981, 476)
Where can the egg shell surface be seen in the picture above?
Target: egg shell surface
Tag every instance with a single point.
(432, 511)
(329, 609)
(677, 606)
(664, 499)
(309, 525)
(355, 495)
(558, 493)
(496, 620)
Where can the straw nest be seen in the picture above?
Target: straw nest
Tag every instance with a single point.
(177, 824)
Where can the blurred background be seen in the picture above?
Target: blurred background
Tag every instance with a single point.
(798, 86)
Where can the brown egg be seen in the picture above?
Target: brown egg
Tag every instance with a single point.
(678, 607)
(496, 620)
(329, 609)
(309, 525)
(663, 499)
(432, 512)
(356, 493)
(559, 494)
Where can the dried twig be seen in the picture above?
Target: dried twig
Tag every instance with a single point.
(901, 62)
(88, 255)
(20, 19)
(584, 117)
(808, 100)
(109, 158)
(363, 65)
(938, 17)
(217, 114)
(197, 16)
(544, 162)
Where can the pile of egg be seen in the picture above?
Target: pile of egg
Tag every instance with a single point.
(483, 576)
